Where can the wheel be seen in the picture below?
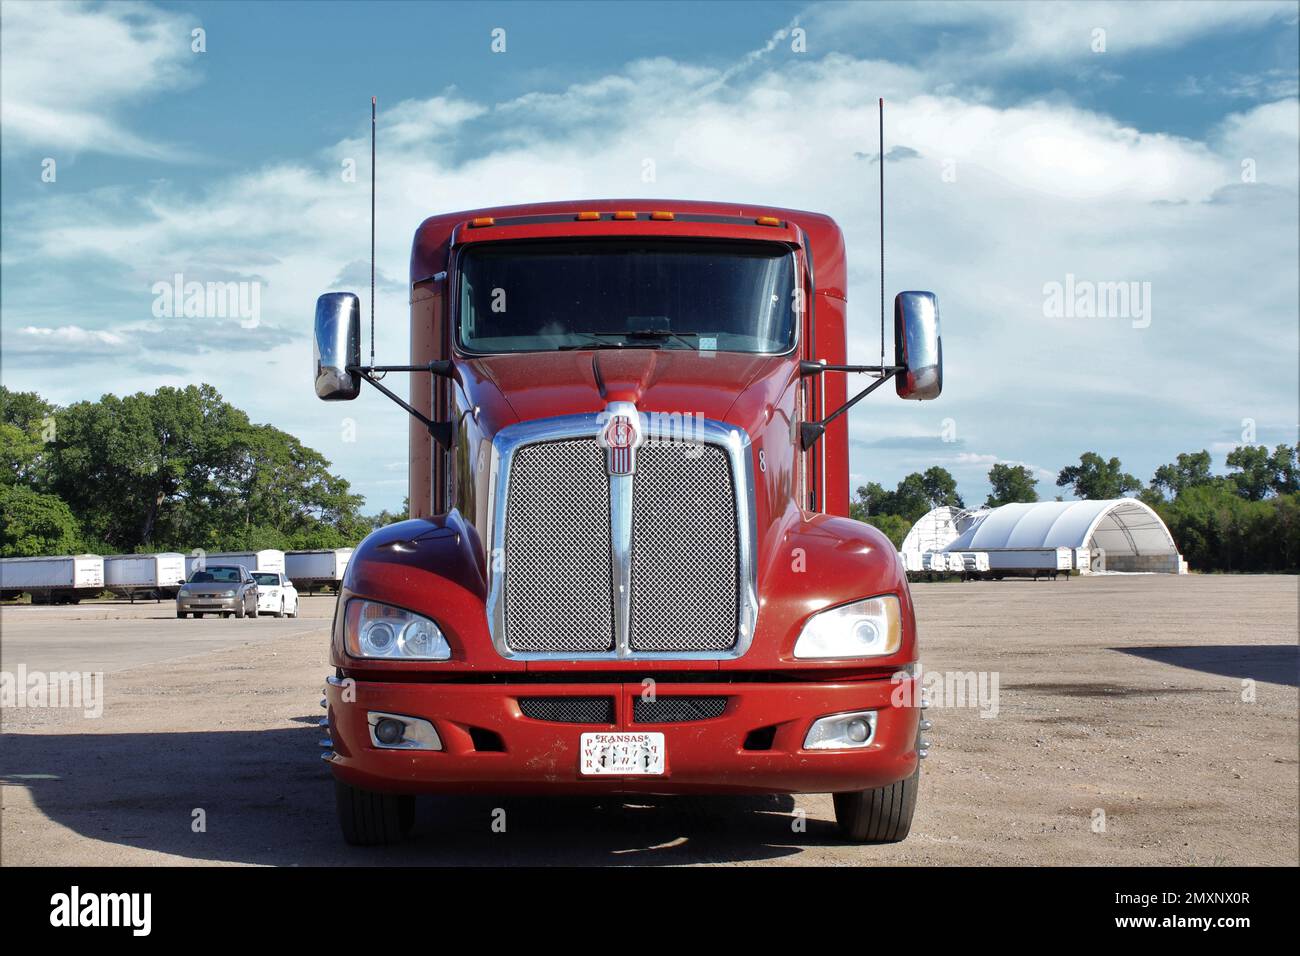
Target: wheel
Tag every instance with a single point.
(372, 819)
(197, 615)
(279, 613)
(252, 611)
(295, 609)
(181, 615)
(879, 815)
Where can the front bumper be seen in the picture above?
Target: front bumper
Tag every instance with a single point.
(714, 755)
(204, 604)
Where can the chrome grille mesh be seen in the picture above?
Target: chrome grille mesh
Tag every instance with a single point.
(569, 710)
(675, 710)
(558, 595)
(684, 549)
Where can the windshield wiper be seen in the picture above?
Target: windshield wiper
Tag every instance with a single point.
(596, 339)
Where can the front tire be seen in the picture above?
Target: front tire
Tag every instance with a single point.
(372, 819)
(879, 815)
(279, 613)
(181, 615)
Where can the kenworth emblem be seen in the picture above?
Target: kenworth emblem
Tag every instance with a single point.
(620, 437)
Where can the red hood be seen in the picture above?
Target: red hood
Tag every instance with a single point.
(543, 384)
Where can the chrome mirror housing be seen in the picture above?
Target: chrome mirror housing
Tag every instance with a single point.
(338, 346)
(918, 347)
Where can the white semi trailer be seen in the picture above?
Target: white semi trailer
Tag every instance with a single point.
(268, 559)
(309, 570)
(58, 580)
(151, 575)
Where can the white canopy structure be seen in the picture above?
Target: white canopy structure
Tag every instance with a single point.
(935, 530)
(1131, 535)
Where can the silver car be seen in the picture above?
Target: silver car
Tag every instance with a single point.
(223, 589)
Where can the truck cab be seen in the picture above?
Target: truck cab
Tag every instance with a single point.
(629, 566)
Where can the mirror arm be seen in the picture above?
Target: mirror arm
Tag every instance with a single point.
(809, 432)
(441, 431)
(807, 368)
(443, 368)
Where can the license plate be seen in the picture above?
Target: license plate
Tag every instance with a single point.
(624, 754)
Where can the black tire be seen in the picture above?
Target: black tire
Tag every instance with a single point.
(181, 615)
(295, 609)
(373, 819)
(880, 815)
(198, 615)
(279, 613)
(240, 611)
(225, 614)
(253, 610)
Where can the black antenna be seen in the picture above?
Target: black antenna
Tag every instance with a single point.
(882, 231)
(372, 238)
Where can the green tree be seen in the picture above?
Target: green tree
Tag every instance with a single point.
(1191, 469)
(941, 487)
(1095, 477)
(1285, 464)
(1011, 483)
(916, 494)
(1254, 471)
(33, 524)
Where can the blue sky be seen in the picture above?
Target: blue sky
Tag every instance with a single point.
(1029, 155)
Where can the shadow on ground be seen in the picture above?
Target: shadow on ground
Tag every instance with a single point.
(1272, 663)
(268, 799)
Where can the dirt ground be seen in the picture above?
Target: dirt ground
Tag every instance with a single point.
(1146, 720)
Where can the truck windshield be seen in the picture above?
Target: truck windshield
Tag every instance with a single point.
(627, 293)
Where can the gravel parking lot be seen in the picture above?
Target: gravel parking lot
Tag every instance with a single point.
(1138, 720)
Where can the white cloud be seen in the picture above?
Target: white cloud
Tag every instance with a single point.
(1042, 189)
(69, 70)
(993, 34)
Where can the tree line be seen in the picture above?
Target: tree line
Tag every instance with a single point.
(1245, 520)
(170, 471)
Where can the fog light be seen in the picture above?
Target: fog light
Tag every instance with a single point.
(399, 732)
(841, 731)
(389, 731)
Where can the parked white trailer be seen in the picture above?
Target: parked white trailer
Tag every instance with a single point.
(268, 559)
(974, 562)
(936, 561)
(313, 569)
(955, 562)
(155, 575)
(57, 580)
(912, 560)
(1082, 560)
(1030, 562)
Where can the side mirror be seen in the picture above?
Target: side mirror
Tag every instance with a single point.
(338, 345)
(917, 346)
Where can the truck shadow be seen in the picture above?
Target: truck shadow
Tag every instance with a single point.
(1271, 663)
(267, 798)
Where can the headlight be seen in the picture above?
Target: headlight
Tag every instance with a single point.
(227, 593)
(870, 628)
(380, 630)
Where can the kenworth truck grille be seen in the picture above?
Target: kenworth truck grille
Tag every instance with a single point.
(560, 562)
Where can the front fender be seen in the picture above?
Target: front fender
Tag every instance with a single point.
(432, 566)
(820, 562)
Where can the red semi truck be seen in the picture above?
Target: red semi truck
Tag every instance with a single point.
(629, 565)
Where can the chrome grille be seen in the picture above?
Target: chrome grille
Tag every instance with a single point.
(685, 592)
(676, 710)
(558, 595)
